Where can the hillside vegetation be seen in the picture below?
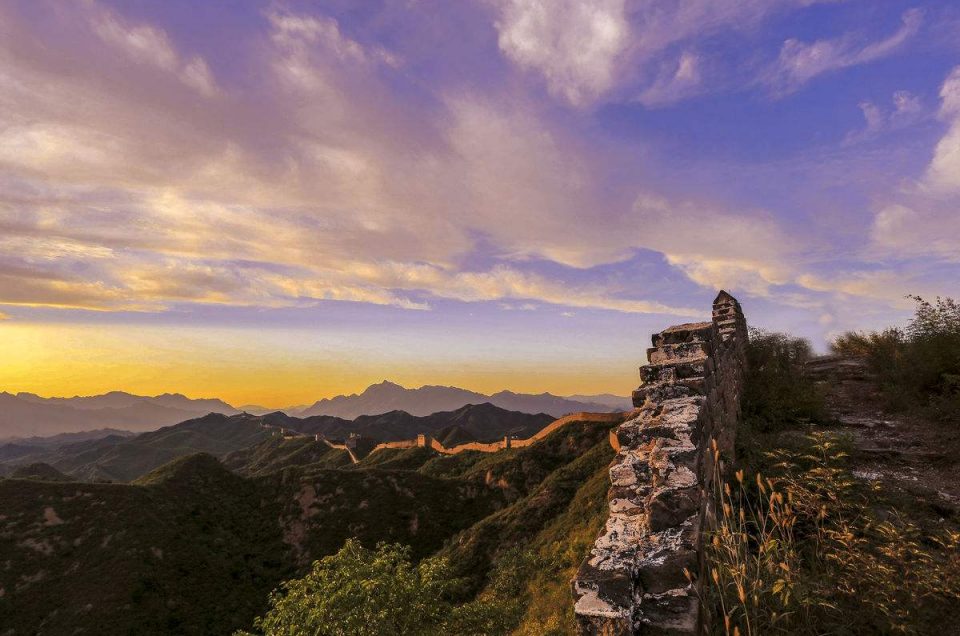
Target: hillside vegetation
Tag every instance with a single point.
(824, 527)
(917, 367)
(252, 444)
(195, 548)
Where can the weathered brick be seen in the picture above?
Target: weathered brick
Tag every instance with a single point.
(633, 581)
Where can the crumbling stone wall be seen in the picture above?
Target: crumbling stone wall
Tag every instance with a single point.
(634, 580)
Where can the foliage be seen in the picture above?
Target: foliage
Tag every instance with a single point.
(194, 552)
(803, 553)
(777, 394)
(919, 365)
(477, 549)
(507, 574)
(192, 548)
(560, 549)
(360, 592)
(397, 459)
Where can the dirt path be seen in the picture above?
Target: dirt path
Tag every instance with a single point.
(908, 455)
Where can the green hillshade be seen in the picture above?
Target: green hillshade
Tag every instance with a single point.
(195, 548)
(39, 471)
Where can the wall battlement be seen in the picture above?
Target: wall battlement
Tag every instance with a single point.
(426, 441)
(507, 442)
(634, 581)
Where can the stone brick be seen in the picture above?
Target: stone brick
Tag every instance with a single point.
(633, 580)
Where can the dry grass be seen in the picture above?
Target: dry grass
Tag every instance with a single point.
(806, 551)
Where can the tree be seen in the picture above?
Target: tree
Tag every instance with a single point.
(360, 592)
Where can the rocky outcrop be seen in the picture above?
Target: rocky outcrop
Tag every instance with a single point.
(637, 577)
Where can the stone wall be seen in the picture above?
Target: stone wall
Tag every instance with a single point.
(353, 444)
(635, 579)
(424, 440)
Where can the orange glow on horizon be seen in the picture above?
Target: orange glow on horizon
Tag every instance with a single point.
(271, 369)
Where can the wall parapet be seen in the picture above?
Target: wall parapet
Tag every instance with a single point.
(508, 441)
(634, 581)
(424, 440)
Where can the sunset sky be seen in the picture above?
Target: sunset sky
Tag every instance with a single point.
(274, 202)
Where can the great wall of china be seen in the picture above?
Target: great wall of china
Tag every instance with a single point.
(641, 574)
(424, 440)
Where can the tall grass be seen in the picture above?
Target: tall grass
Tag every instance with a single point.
(802, 551)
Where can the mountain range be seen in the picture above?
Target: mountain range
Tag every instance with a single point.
(122, 458)
(26, 415)
(29, 415)
(193, 548)
(387, 396)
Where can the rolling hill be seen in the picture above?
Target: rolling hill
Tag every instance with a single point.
(193, 548)
(119, 458)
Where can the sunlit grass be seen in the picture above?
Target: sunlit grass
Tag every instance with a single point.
(807, 551)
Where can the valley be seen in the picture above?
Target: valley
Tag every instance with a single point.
(196, 545)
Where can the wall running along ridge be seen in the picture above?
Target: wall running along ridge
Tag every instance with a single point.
(424, 440)
(634, 580)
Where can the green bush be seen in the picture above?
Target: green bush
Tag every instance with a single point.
(777, 394)
(360, 592)
(918, 366)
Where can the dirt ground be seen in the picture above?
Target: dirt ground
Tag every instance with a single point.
(916, 460)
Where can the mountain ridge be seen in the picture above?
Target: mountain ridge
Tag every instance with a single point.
(27, 415)
(124, 459)
(387, 396)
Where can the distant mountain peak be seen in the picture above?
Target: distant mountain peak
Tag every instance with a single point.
(28, 415)
(386, 384)
(388, 396)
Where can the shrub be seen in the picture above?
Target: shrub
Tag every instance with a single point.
(918, 366)
(802, 552)
(777, 393)
(362, 592)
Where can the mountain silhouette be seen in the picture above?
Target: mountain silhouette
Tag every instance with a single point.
(29, 415)
(388, 396)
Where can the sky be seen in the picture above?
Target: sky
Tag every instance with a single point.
(274, 202)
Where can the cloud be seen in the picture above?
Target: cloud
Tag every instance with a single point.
(573, 44)
(715, 248)
(885, 284)
(327, 185)
(298, 32)
(799, 62)
(504, 282)
(921, 218)
(149, 45)
(907, 109)
(323, 181)
(943, 173)
(676, 81)
(623, 50)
